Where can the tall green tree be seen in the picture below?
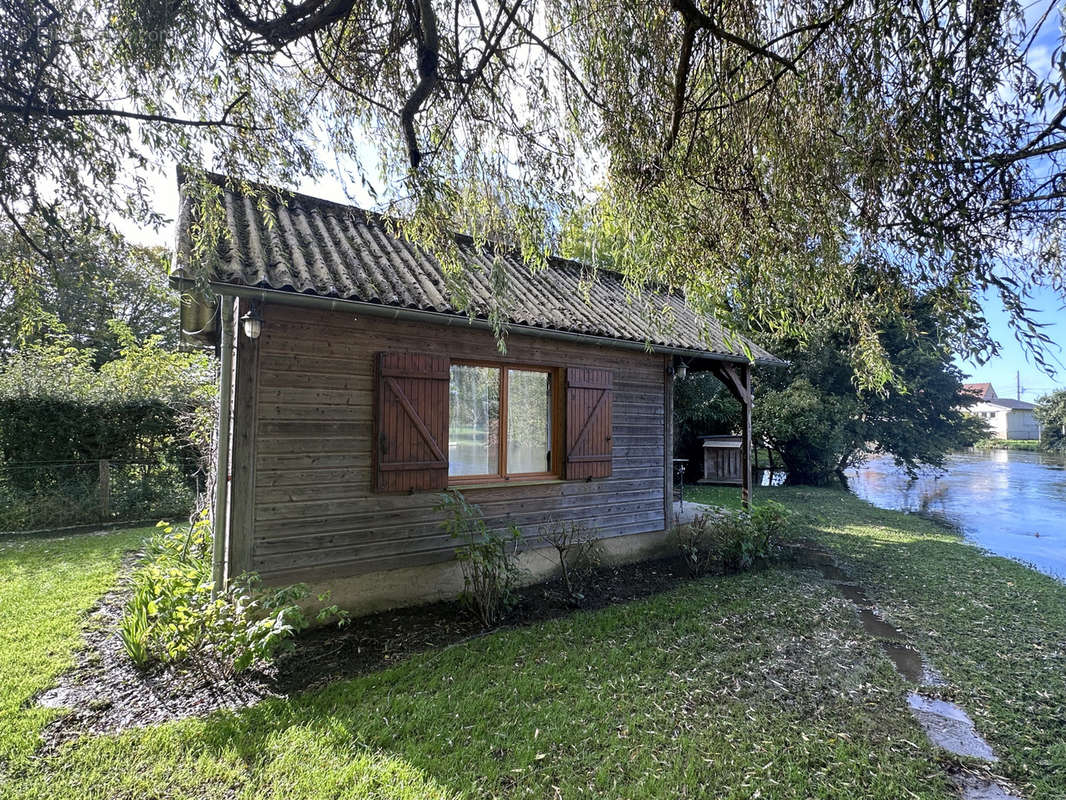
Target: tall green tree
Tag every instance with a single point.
(821, 421)
(1051, 414)
(86, 278)
(754, 147)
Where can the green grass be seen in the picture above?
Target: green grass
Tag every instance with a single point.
(724, 496)
(46, 585)
(724, 687)
(995, 628)
(1008, 444)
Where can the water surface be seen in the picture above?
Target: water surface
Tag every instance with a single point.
(1011, 502)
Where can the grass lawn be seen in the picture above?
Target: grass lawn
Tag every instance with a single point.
(993, 627)
(46, 585)
(759, 685)
(1008, 444)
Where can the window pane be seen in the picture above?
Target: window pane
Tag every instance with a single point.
(474, 421)
(528, 421)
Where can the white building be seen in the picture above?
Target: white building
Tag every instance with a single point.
(1008, 419)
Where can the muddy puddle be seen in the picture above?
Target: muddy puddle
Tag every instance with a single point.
(853, 593)
(832, 573)
(906, 660)
(950, 727)
(877, 627)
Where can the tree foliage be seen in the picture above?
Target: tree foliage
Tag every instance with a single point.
(822, 422)
(147, 404)
(1051, 414)
(86, 277)
(150, 411)
(767, 151)
(56, 368)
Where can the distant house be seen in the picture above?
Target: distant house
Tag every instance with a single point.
(355, 389)
(1008, 419)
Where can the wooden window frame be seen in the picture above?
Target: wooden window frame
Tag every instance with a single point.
(556, 436)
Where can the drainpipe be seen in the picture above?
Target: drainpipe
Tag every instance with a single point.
(220, 528)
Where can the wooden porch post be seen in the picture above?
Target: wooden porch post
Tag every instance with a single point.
(737, 379)
(745, 451)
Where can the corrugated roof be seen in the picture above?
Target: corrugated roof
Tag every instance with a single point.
(310, 246)
(1014, 405)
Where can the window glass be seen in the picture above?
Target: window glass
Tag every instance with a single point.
(474, 421)
(528, 421)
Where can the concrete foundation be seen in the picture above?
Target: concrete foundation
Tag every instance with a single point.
(409, 586)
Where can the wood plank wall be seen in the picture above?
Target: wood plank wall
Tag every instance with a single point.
(315, 514)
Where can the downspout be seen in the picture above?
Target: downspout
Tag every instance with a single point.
(220, 528)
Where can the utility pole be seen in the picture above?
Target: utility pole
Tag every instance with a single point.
(1018, 377)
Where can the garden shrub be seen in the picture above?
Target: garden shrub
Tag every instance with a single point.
(744, 539)
(736, 543)
(733, 540)
(176, 616)
(148, 412)
(694, 543)
(575, 547)
(488, 558)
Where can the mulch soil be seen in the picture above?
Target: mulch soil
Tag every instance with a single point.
(108, 694)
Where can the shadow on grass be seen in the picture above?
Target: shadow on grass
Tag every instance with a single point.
(727, 682)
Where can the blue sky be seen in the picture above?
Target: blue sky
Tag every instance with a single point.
(1001, 372)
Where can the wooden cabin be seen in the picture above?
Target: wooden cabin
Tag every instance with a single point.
(354, 391)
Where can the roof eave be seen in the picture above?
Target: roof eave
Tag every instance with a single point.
(304, 300)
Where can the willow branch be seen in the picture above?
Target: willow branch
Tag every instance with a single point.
(40, 110)
(694, 16)
(684, 65)
(428, 63)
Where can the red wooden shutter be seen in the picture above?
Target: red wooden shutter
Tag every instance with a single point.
(411, 435)
(588, 423)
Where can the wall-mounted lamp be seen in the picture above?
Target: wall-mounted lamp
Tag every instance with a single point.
(682, 371)
(252, 322)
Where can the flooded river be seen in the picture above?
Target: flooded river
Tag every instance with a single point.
(1008, 501)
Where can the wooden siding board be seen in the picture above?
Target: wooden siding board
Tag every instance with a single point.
(668, 442)
(316, 513)
(373, 552)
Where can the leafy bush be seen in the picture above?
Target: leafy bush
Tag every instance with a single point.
(734, 540)
(575, 547)
(175, 616)
(1032, 445)
(150, 412)
(744, 539)
(488, 559)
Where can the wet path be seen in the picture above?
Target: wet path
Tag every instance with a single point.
(946, 725)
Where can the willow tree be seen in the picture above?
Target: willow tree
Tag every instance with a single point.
(758, 155)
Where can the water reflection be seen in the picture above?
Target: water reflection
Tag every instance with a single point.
(1009, 501)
